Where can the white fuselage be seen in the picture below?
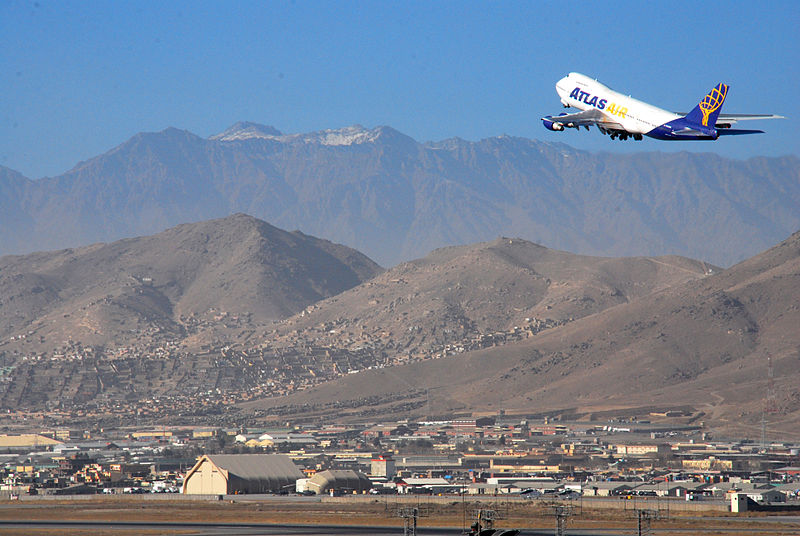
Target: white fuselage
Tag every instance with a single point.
(581, 92)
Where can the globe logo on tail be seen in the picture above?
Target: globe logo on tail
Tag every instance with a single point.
(713, 101)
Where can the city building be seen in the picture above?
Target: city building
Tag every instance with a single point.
(383, 466)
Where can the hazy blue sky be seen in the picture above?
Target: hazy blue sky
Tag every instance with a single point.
(79, 78)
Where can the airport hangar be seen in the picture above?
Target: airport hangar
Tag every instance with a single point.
(341, 480)
(228, 474)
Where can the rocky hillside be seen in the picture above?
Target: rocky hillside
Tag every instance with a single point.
(243, 308)
(487, 294)
(705, 343)
(169, 284)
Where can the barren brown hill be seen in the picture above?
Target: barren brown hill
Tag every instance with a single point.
(703, 343)
(463, 297)
(168, 284)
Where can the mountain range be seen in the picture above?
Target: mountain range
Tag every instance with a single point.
(383, 193)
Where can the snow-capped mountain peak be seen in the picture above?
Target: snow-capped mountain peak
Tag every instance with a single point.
(245, 130)
(352, 135)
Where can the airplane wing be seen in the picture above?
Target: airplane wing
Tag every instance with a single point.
(586, 118)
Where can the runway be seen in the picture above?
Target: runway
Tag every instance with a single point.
(270, 529)
(262, 529)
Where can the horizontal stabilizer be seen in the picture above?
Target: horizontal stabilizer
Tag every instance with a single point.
(745, 117)
(741, 117)
(726, 120)
(736, 132)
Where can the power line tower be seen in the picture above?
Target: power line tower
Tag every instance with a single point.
(562, 513)
(645, 517)
(770, 402)
(484, 520)
(410, 516)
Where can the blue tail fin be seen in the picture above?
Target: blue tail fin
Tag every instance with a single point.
(707, 111)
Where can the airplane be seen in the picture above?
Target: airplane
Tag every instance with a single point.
(624, 117)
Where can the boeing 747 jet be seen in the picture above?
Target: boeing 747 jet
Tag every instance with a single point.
(622, 117)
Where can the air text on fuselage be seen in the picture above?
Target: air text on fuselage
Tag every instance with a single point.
(601, 104)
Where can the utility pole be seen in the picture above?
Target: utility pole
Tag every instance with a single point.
(770, 402)
(428, 403)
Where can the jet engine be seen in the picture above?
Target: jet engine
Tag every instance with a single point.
(552, 125)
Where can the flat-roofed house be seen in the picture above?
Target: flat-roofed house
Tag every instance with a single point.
(605, 488)
(25, 441)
